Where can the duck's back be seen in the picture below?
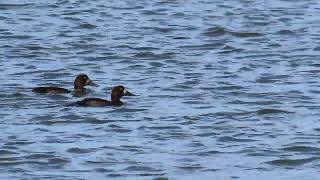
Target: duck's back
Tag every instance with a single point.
(93, 102)
(51, 90)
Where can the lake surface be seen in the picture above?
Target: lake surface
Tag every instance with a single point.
(226, 89)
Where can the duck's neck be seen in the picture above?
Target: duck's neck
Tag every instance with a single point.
(78, 87)
(116, 102)
(115, 99)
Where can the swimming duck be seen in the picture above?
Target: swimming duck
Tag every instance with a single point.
(79, 83)
(116, 94)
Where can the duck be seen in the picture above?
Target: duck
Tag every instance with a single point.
(116, 94)
(80, 82)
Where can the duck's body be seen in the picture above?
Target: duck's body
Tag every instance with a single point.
(80, 82)
(51, 90)
(97, 102)
(117, 93)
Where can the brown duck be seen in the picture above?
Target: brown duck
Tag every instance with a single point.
(79, 83)
(116, 94)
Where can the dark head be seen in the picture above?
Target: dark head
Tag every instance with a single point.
(83, 80)
(118, 92)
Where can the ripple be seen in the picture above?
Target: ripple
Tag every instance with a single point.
(79, 150)
(141, 168)
(206, 46)
(14, 5)
(102, 170)
(191, 167)
(7, 152)
(160, 29)
(302, 149)
(207, 153)
(119, 129)
(246, 34)
(292, 162)
(161, 178)
(232, 139)
(87, 26)
(35, 160)
(151, 55)
(21, 37)
(285, 32)
(221, 31)
(271, 111)
(18, 143)
(215, 31)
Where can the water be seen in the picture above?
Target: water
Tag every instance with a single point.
(227, 89)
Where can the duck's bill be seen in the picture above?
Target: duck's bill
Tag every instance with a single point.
(127, 93)
(91, 83)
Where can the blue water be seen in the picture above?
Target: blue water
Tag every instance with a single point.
(226, 89)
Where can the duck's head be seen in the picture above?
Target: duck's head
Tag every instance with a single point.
(118, 92)
(83, 80)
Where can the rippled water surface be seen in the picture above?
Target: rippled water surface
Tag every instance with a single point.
(226, 89)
